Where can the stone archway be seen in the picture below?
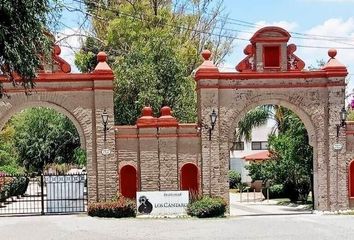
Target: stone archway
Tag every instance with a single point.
(315, 96)
(82, 98)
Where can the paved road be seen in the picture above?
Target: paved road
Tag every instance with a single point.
(81, 227)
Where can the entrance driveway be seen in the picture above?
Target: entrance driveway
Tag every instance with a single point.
(252, 204)
(82, 227)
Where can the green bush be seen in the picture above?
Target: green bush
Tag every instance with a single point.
(122, 207)
(275, 191)
(17, 186)
(234, 178)
(207, 207)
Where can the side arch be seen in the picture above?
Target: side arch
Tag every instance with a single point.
(128, 181)
(351, 179)
(189, 177)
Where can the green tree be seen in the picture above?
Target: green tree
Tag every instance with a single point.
(44, 136)
(291, 159)
(23, 41)
(8, 153)
(153, 49)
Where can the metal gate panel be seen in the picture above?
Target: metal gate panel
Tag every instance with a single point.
(43, 194)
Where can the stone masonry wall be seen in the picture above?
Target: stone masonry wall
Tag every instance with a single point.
(158, 150)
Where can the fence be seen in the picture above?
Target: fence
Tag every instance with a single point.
(43, 194)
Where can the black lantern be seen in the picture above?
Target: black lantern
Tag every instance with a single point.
(343, 117)
(104, 116)
(213, 117)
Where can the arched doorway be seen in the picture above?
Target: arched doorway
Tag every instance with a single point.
(72, 94)
(189, 177)
(128, 181)
(317, 97)
(351, 179)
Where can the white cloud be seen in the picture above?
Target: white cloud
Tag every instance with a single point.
(343, 33)
(70, 41)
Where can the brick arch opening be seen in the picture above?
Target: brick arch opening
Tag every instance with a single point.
(34, 104)
(189, 177)
(128, 181)
(298, 110)
(351, 179)
(253, 103)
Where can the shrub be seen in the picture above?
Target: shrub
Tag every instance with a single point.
(275, 191)
(207, 207)
(234, 178)
(122, 207)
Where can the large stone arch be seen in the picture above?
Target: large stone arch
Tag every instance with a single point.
(82, 98)
(76, 116)
(317, 97)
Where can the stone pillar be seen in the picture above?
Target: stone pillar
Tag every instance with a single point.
(103, 101)
(168, 161)
(148, 155)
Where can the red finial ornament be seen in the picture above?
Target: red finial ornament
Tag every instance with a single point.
(206, 54)
(332, 53)
(102, 57)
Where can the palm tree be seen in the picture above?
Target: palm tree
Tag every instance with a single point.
(258, 117)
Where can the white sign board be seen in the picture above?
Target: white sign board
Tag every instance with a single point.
(162, 203)
(337, 146)
(106, 151)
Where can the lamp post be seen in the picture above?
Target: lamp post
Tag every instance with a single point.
(213, 116)
(104, 116)
(343, 117)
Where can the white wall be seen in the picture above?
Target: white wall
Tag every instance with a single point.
(259, 134)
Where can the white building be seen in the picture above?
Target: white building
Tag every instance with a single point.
(256, 149)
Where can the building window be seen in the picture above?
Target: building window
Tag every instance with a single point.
(271, 56)
(238, 146)
(259, 145)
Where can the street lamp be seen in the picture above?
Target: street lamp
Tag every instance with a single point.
(213, 116)
(343, 117)
(104, 116)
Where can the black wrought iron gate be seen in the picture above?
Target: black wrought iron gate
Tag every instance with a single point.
(43, 194)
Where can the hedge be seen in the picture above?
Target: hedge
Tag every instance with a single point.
(122, 207)
(207, 207)
(16, 187)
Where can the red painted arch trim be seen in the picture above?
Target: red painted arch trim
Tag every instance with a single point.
(265, 75)
(325, 85)
(68, 77)
(61, 89)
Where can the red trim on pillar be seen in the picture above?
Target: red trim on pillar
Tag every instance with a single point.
(128, 181)
(189, 177)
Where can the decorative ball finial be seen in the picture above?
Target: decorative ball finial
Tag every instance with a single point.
(147, 112)
(206, 54)
(165, 111)
(101, 57)
(332, 52)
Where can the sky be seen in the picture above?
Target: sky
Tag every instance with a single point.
(330, 19)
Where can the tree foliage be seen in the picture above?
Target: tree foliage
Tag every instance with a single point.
(23, 41)
(42, 137)
(291, 159)
(154, 49)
